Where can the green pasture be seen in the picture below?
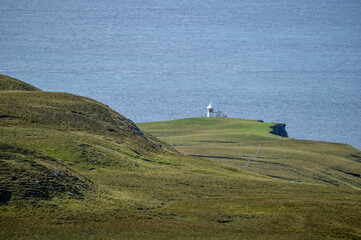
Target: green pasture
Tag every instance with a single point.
(235, 142)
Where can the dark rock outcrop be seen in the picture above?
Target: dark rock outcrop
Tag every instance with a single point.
(4, 196)
(279, 129)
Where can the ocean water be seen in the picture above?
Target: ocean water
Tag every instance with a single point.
(291, 61)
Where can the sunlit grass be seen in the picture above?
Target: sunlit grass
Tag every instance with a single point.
(141, 190)
(234, 141)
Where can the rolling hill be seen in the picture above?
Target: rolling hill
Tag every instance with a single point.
(234, 142)
(73, 168)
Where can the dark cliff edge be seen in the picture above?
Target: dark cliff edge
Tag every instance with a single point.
(279, 129)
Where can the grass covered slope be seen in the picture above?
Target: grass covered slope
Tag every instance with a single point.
(43, 134)
(233, 142)
(9, 83)
(31, 176)
(72, 168)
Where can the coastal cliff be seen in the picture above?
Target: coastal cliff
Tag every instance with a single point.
(279, 129)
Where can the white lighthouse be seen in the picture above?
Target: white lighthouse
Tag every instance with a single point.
(214, 113)
(210, 112)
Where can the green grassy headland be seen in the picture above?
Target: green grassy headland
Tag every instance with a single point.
(234, 142)
(72, 168)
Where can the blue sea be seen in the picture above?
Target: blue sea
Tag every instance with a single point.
(292, 61)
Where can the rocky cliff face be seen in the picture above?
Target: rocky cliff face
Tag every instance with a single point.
(279, 129)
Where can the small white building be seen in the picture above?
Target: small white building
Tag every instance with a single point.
(212, 113)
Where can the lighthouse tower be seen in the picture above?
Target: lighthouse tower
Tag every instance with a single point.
(210, 112)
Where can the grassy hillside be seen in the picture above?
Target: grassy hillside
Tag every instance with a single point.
(45, 134)
(9, 83)
(233, 142)
(72, 168)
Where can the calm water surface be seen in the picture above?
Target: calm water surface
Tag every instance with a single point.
(291, 61)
